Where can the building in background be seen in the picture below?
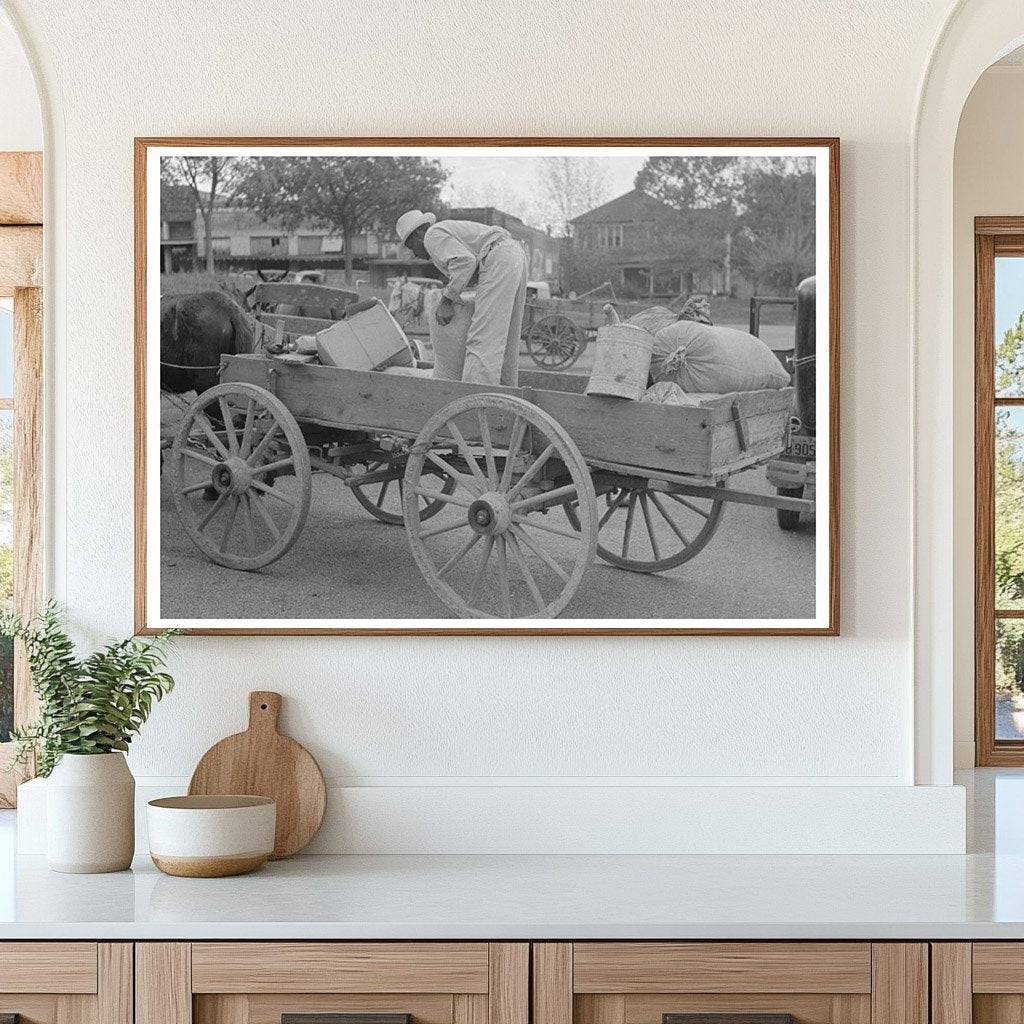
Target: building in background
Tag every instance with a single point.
(639, 245)
(543, 250)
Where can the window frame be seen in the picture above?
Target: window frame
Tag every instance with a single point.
(21, 261)
(993, 237)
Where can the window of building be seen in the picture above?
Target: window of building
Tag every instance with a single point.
(178, 230)
(999, 491)
(268, 245)
(610, 236)
(221, 245)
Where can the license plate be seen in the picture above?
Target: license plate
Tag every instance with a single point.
(801, 447)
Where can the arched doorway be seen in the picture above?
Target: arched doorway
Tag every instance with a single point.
(976, 33)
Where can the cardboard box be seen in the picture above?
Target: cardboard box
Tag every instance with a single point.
(368, 340)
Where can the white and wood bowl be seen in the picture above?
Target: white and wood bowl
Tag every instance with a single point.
(211, 836)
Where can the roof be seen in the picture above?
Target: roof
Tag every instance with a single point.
(632, 205)
(177, 203)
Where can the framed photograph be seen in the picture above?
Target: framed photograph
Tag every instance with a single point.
(487, 386)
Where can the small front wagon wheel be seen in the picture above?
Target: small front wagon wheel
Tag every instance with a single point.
(240, 476)
(501, 548)
(555, 342)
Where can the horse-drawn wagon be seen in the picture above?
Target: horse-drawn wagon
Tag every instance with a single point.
(506, 494)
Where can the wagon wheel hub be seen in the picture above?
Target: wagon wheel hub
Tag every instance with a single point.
(490, 514)
(233, 476)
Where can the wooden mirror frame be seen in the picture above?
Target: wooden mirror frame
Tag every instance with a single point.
(21, 277)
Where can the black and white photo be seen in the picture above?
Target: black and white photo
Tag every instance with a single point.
(462, 386)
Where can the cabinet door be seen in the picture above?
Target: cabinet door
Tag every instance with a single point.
(737, 982)
(980, 982)
(66, 982)
(332, 983)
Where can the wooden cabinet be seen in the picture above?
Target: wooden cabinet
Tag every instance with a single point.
(649, 982)
(979, 982)
(260, 982)
(66, 982)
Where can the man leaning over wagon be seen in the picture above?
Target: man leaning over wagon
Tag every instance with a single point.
(469, 253)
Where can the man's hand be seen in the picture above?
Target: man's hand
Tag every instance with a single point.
(445, 312)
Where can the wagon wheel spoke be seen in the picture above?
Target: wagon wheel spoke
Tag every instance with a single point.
(688, 504)
(644, 508)
(503, 582)
(446, 499)
(436, 531)
(229, 525)
(256, 455)
(466, 454)
(383, 492)
(535, 468)
(192, 488)
(478, 577)
(255, 501)
(204, 425)
(467, 481)
(524, 568)
(534, 524)
(612, 509)
(250, 527)
(245, 445)
(191, 453)
(459, 555)
(485, 437)
(520, 534)
(229, 425)
(214, 509)
(544, 498)
(273, 493)
(630, 511)
(515, 443)
(273, 467)
(656, 501)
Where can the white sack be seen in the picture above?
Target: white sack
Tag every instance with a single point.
(703, 358)
(449, 342)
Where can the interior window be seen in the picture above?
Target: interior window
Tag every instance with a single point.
(6, 510)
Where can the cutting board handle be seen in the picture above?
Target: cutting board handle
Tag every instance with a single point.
(264, 710)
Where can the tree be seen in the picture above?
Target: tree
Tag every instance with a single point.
(208, 178)
(707, 192)
(571, 185)
(345, 194)
(776, 244)
(1009, 472)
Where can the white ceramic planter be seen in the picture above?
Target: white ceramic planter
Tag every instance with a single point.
(90, 814)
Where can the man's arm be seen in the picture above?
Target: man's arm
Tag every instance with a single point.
(452, 257)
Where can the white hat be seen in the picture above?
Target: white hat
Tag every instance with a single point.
(410, 221)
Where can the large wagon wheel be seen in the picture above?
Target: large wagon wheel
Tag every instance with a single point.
(493, 553)
(385, 500)
(233, 444)
(555, 342)
(645, 530)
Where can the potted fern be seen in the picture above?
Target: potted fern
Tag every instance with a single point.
(89, 710)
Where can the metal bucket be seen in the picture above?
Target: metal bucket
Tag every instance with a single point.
(622, 359)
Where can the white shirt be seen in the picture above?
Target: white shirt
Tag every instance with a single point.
(455, 247)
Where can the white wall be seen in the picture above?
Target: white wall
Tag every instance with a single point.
(395, 713)
(988, 181)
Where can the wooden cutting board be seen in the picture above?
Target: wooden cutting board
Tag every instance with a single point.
(262, 762)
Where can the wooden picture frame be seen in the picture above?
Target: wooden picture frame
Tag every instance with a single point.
(825, 621)
(21, 268)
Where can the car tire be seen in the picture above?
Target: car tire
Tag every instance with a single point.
(787, 518)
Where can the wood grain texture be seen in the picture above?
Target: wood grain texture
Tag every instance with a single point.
(467, 1008)
(951, 983)
(48, 967)
(816, 1008)
(115, 988)
(899, 983)
(21, 258)
(225, 1009)
(722, 967)
(76, 1009)
(552, 983)
(998, 967)
(163, 983)
(339, 967)
(831, 144)
(599, 1009)
(508, 983)
(21, 188)
(262, 762)
(998, 1009)
(32, 1009)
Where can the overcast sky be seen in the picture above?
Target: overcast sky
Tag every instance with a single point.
(514, 183)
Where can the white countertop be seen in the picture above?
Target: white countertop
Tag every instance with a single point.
(532, 897)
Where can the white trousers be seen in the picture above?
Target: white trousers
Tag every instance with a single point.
(490, 352)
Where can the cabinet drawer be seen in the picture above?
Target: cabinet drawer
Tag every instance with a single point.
(732, 982)
(263, 982)
(340, 967)
(48, 967)
(634, 967)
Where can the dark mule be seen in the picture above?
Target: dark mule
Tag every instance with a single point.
(196, 330)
